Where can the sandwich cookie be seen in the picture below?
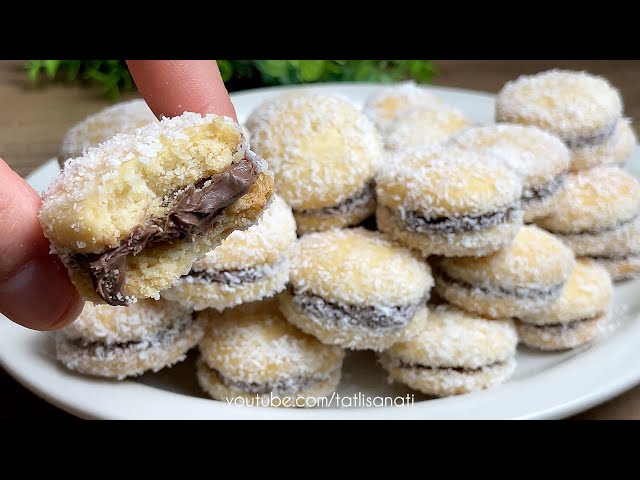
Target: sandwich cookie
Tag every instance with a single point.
(616, 150)
(248, 266)
(123, 117)
(324, 153)
(580, 108)
(448, 201)
(252, 352)
(540, 158)
(424, 125)
(520, 279)
(119, 342)
(130, 217)
(356, 289)
(597, 215)
(577, 317)
(454, 353)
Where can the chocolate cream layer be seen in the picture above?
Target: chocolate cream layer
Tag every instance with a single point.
(544, 191)
(592, 140)
(416, 222)
(419, 366)
(372, 317)
(495, 290)
(236, 277)
(597, 230)
(192, 213)
(616, 258)
(562, 326)
(359, 200)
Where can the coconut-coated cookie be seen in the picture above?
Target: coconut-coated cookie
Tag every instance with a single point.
(129, 217)
(616, 150)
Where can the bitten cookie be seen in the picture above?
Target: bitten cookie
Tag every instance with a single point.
(324, 153)
(132, 215)
(119, 342)
(577, 317)
(448, 201)
(454, 353)
(252, 353)
(540, 158)
(356, 289)
(521, 279)
(123, 117)
(598, 216)
(248, 266)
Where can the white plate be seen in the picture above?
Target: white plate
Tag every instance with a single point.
(544, 385)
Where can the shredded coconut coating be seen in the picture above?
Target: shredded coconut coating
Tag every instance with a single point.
(446, 182)
(563, 337)
(616, 150)
(264, 243)
(322, 148)
(621, 269)
(570, 104)
(454, 338)
(254, 343)
(586, 294)
(389, 103)
(424, 125)
(311, 221)
(109, 325)
(447, 382)
(123, 117)
(359, 267)
(535, 259)
(596, 199)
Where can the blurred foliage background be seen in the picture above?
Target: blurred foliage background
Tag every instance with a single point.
(112, 76)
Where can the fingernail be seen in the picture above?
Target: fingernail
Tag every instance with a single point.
(40, 295)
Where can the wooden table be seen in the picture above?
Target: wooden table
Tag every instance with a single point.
(34, 119)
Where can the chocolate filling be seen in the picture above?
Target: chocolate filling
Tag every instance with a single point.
(192, 214)
(597, 231)
(372, 317)
(228, 277)
(538, 194)
(358, 200)
(283, 386)
(402, 364)
(615, 258)
(520, 292)
(592, 140)
(443, 225)
(560, 326)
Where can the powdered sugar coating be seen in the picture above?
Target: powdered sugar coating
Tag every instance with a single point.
(254, 343)
(322, 148)
(616, 150)
(386, 105)
(596, 199)
(142, 320)
(359, 267)
(123, 117)
(623, 268)
(570, 104)
(446, 182)
(563, 337)
(454, 338)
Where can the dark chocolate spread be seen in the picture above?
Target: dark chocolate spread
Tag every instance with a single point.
(520, 292)
(443, 225)
(532, 195)
(360, 199)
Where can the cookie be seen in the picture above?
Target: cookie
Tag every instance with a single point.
(448, 201)
(356, 289)
(597, 215)
(616, 150)
(324, 153)
(248, 266)
(577, 317)
(253, 353)
(130, 217)
(120, 342)
(454, 353)
(518, 280)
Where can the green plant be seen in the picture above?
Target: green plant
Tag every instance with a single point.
(113, 76)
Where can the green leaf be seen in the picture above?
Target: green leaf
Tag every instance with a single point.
(51, 67)
(226, 69)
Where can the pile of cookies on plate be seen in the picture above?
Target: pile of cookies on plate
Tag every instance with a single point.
(403, 228)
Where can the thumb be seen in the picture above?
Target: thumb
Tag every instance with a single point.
(35, 289)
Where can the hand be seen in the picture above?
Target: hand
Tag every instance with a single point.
(35, 290)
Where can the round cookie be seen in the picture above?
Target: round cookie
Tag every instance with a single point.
(119, 342)
(386, 105)
(521, 279)
(577, 317)
(129, 217)
(324, 153)
(454, 353)
(356, 289)
(616, 150)
(597, 215)
(252, 353)
(448, 201)
(123, 117)
(424, 125)
(541, 160)
(247, 266)
(580, 108)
